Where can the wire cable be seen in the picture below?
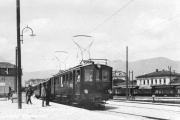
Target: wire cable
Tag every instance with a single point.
(111, 16)
(159, 24)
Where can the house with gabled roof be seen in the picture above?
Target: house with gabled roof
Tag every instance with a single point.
(7, 78)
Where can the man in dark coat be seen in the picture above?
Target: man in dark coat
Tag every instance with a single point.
(29, 93)
(47, 95)
(9, 94)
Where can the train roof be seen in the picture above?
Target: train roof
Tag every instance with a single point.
(87, 63)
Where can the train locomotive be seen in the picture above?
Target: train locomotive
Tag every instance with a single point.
(88, 85)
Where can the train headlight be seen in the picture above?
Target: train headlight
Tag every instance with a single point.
(110, 91)
(86, 91)
(98, 65)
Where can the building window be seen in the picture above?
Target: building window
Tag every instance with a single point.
(144, 82)
(148, 82)
(159, 81)
(164, 80)
(152, 81)
(156, 81)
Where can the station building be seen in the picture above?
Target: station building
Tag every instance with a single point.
(159, 83)
(7, 78)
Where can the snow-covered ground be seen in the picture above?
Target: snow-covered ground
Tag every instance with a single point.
(10, 111)
(145, 109)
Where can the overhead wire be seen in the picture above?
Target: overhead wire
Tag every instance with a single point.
(102, 23)
(159, 24)
(111, 16)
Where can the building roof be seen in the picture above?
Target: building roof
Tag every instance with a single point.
(159, 74)
(6, 65)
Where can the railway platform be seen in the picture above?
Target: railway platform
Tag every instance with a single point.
(10, 111)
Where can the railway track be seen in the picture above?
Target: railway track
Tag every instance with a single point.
(124, 113)
(144, 111)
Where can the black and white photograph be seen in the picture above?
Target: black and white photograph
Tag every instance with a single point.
(89, 60)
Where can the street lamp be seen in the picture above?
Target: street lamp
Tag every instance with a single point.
(29, 35)
(19, 39)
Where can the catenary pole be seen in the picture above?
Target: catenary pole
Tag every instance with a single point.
(15, 71)
(132, 84)
(19, 54)
(126, 72)
(129, 82)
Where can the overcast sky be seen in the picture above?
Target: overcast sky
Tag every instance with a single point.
(150, 28)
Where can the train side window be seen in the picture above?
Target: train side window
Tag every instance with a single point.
(78, 75)
(61, 81)
(57, 81)
(70, 77)
(64, 79)
(67, 78)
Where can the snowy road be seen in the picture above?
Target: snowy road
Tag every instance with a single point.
(144, 110)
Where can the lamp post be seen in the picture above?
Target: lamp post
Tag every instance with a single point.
(23, 32)
(19, 70)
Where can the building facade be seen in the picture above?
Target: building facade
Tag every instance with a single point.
(159, 83)
(7, 78)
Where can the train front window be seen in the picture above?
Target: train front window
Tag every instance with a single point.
(105, 75)
(88, 75)
(97, 75)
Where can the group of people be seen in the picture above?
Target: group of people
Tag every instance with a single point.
(45, 95)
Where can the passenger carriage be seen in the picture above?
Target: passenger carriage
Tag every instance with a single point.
(89, 84)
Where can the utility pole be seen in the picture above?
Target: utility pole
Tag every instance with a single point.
(19, 54)
(132, 81)
(129, 83)
(132, 84)
(15, 71)
(170, 78)
(126, 72)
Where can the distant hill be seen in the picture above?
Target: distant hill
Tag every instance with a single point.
(146, 66)
(139, 68)
(38, 74)
(2, 60)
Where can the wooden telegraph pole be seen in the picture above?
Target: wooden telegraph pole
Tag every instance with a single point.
(19, 54)
(127, 73)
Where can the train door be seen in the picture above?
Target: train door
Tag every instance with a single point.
(77, 82)
(74, 79)
(97, 75)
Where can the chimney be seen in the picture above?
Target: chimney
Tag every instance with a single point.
(156, 70)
